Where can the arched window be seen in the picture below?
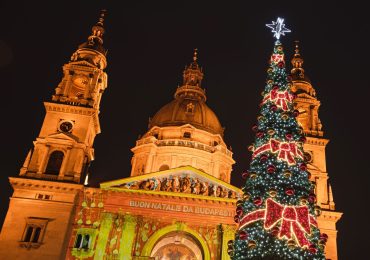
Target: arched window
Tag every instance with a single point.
(54, 163)
(164, 167)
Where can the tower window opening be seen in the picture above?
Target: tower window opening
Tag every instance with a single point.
(190, 108)
(33, 232)
(54, 163)
(187, 135)
(164, 167)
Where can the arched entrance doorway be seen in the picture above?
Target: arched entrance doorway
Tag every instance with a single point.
(191, 239)
(177, 246)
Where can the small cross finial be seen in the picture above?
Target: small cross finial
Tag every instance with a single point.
(101, 18)
(195, 54)
(296, 47)
(278, 28)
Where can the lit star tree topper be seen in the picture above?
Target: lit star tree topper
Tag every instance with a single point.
(278, 28)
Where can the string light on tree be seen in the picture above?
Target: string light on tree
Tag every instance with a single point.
(277, 214)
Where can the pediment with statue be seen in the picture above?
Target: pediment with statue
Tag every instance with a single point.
(185, 180)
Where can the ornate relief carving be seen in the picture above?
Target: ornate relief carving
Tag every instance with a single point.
(184, 184)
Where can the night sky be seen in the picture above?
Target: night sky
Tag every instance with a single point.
(150, 42)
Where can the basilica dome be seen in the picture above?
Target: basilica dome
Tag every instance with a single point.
(187, 111)
(189, 105)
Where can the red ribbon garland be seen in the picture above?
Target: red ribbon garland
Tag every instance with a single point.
(294, 220)
(287, 151)
(280, 98)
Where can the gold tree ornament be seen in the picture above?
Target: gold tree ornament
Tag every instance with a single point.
(246, 196)
(271, 131)
(287, 174)
(272, 193)
(252, 244)
(303, 201)
(284, 116)
(253, 175)
(291, 244)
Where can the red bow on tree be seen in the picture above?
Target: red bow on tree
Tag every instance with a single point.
(287, 151)
(280, 98)
(294, 220)
(277, 58)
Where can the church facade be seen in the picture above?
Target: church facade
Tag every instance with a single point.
(178, 202)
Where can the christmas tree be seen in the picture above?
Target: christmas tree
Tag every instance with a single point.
(277, 214)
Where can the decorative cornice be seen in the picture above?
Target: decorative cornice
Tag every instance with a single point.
(57, 107)
(317, 141)
(31, 184)
(333, 216)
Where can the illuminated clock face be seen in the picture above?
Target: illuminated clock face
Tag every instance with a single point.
(80, 81)
(66, 126)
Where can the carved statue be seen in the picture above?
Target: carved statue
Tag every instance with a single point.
(175, 184)
(195, 188)
(224, 192)
(232, 194)
(145, 185)
(204, 189)
(166, 184)
(185, 185)
(217, 191)
(132, 186)
(157, 184)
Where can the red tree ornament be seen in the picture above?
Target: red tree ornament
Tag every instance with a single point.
(312, 198)
(255, 128)
(281, 64)
(243, 235)
(295, 113)
(289, 136)
(263, 158)
(275, 231)
(273, 108)
(271, 169)
(303, 167)
(312, 248)
(245, 175)
(289, 191)
(239, 211)
(258, 201)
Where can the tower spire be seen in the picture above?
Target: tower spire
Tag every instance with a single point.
(195, 55)
(95, 40)
(297, 62)
(192, 80)
(97, 30)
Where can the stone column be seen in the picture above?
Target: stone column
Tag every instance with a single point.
(228, 234)
(45, 155)
(128, 236)
(104, 231)
(64, 163)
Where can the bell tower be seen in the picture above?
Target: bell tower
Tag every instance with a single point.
(64, 147)
(42, 208)
(308, 105)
